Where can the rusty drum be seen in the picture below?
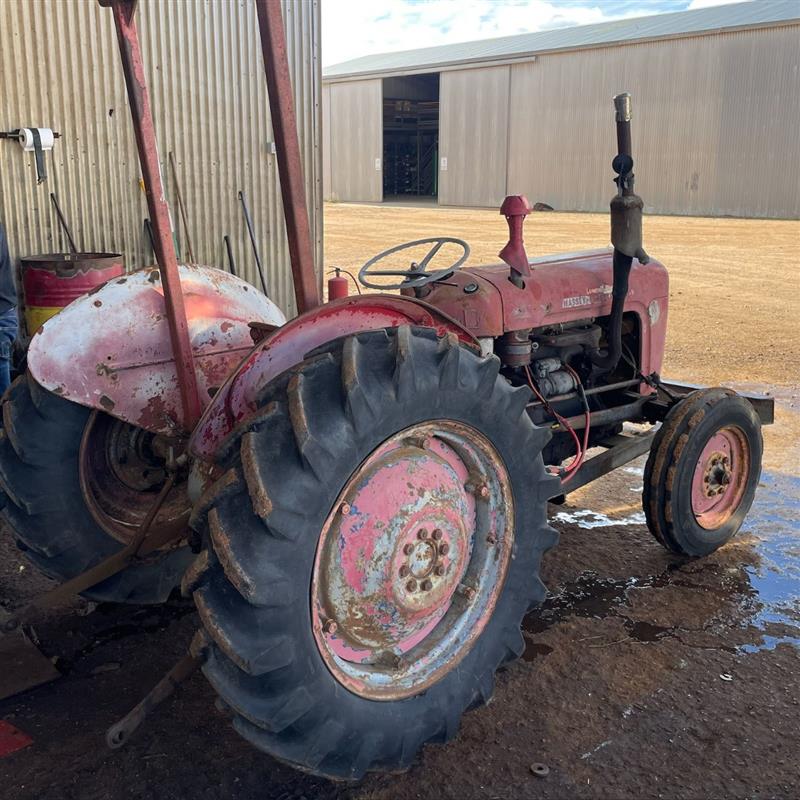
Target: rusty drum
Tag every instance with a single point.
(52, 281)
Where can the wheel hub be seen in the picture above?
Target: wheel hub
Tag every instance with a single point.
(132, 458)
(411, 560)
(121, 469)
(720, 477)
(717, 474)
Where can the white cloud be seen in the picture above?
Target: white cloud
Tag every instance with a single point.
(353, 28)
(708, 3)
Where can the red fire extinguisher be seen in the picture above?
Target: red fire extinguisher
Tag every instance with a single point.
(337, 286)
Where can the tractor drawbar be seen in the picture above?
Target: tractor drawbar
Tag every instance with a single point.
(626, 234)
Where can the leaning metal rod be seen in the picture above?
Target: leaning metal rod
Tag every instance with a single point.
(139, 545)
(181, 208)
(63, 222)
(253, 241)
(231, 260)
(141, 115)
(287, 147)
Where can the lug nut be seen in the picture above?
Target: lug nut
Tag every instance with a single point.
(390, 659)
(483, 491)
(439, 570)
(437, 534)
(411, 585)
(426, 586)
(466, 591)
(329, 626)
(422, 534)
(408, 549)
(443, 549)
(344, 509)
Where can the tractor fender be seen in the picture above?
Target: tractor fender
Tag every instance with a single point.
(111, 349)
(287, 346)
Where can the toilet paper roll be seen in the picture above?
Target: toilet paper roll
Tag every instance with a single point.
(26, 138)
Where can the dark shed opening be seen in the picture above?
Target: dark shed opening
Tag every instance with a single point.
(411, 137)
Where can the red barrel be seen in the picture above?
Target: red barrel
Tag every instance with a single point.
(54, 280)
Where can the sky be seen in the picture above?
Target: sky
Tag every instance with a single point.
(353, 28)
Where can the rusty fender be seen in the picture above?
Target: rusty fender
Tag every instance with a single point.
(287, 346)
(111, 349)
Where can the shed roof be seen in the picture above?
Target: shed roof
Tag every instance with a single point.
(716, 19)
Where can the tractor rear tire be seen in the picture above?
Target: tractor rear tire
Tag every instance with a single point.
(702, 472)
(285, 479)
(44, 508)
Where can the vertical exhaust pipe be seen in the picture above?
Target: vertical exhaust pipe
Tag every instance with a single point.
(626, 234)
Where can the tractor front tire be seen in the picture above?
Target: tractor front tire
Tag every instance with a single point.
(44, 507)
(374, 543)
(702, 472)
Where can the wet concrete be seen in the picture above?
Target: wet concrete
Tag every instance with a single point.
(769, 599)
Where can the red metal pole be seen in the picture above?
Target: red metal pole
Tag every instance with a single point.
(290, 168)
(133, 67)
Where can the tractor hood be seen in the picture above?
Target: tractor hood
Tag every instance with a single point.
(561, 289)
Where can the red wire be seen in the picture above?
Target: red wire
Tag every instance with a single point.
(570, 471)
(576, 462)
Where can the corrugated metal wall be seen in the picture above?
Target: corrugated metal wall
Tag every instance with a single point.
(715, 130)
(715, 125)
(60, 69)
(473, 138)
(356, 141)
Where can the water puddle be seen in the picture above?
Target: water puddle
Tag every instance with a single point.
(762, 592)
(774, 523)
(593, 597)
(587, 519)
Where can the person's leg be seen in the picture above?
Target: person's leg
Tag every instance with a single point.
(8, 333)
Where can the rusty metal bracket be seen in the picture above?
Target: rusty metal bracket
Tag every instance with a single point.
(119, 733)
(621, 449)
(141, 545)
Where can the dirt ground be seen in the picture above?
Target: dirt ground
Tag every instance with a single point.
(645, 676)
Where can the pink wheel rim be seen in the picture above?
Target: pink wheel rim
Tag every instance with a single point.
(412, 559)
(720, 477)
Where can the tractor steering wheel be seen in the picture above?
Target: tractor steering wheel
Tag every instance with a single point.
(416, 275)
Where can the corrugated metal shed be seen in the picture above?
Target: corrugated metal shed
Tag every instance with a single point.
(681, 23)
(60, 69)
(716, 106)
(714, 128)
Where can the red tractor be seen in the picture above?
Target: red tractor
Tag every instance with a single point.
(357, 502)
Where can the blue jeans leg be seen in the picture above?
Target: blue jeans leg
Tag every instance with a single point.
(8, 334)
